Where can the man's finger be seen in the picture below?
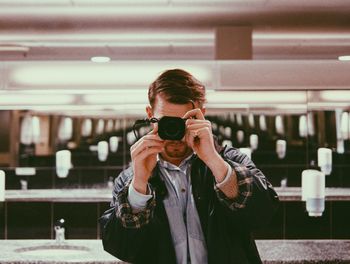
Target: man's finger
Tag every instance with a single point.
(197, 126)
(147, 152)
(146, 137)
(197, 121)
(146, 145)
(197, 113)
(154, 130)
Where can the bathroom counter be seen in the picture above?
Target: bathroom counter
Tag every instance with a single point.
(304, 251)
(59, 195)
(294, 194)
(26, 251)
(105, 195)
(271, 251)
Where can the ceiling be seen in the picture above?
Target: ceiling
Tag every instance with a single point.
(170, 29)
(296, 45)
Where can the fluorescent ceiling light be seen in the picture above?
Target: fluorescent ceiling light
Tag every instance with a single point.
(257, 97)
(344, 58)
(64, 90)
(118, 2)
(13, 48)
(276, 35)
(100, 59)
(199, 36)
(337, 96)
(31, 99)
(122, 74)
(78, 2)
(131, 96)
(33, 2)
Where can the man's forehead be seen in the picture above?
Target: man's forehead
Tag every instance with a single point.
(171, 109)
(160, 101)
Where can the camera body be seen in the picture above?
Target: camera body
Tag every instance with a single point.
(171, 128)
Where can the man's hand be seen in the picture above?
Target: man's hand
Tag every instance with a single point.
(200, 138)
(144, 158)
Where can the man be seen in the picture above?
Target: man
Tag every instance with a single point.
(186, 201)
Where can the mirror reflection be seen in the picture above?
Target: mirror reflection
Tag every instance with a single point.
(77, 151)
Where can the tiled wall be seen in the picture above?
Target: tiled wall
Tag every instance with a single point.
(35, 220)
(292, 222)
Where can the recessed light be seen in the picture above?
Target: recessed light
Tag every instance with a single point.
(344, 58)
(100, 59)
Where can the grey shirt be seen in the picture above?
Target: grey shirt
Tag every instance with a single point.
(184, 222)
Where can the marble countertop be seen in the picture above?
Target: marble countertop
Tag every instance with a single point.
(271, 251)
(16, 252)
(294, 194)
(304, 251)
(105, 195)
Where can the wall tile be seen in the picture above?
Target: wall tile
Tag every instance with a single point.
(28, 220)
(300, 226)
(275, 228)
(71, 181)
(2, 220)
(80, 219)
(341, 219)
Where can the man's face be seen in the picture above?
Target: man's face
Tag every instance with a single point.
(173, 149)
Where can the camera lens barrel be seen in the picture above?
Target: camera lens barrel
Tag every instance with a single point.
(171, 128)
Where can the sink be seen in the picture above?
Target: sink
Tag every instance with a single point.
(53, 250)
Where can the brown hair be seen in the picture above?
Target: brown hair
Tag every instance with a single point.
(177, 86)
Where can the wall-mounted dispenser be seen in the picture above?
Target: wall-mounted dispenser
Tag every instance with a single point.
(313, 187)
(36, 130)
(246, 151)
(228, 132)
(324, 160)
(100, 127)
(102, 150)
(227, 143)
(281, 148)
(113, 144)
(279, 125)
(86, 128)
(239, 119)
(240, 136)
(344, 125)
(2, 186)
(65, 129)
(109, 126)
(30, 130)
(251, 121)
(254, 141)
(262, 123)
(303, 126)
(310, 124)
(63, 163)
(130, 138)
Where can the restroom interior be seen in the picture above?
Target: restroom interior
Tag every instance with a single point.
(74, 77)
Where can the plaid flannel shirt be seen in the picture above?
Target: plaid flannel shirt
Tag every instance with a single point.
(129, 219)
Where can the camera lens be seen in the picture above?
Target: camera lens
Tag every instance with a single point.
(171, 128)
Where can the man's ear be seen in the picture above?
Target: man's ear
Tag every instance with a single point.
(203, 110)
(149, 111)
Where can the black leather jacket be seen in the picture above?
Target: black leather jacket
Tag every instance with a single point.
(227, 232)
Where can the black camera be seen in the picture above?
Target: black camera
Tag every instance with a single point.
(171, 128)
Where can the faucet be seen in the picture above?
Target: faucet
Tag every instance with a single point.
(110, 183)
(59, 231)
(24, 184)
(284, 182)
